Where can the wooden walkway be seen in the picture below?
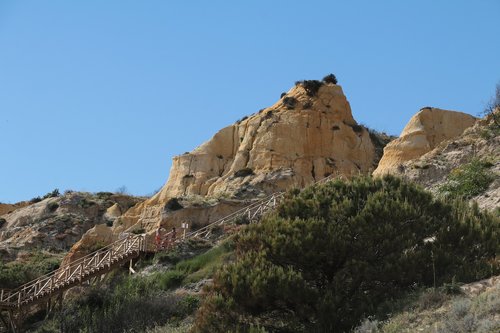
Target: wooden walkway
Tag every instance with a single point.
(13, 303)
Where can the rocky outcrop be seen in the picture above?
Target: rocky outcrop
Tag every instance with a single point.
(479, 142)
(55, 224)
(305, 136)
(424, 131)
(292, 143)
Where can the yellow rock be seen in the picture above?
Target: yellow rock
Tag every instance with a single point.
(295, 146)
(113, 211)
(275, 149)
(424, 132)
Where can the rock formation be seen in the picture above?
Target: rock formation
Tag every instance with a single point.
(424, 132)
(55, 224)
(292, 143)
(307, 135)
(480, 142)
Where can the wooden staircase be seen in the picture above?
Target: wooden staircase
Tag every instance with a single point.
(108, 258)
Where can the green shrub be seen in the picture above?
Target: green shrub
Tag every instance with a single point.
(35, 200)
(127, 304)
(104, 195)
(330, 78)
(54, 194)
(170, 279)
(289, 102)
(205, 264)
(242, 119)
(169, 257)
(311, 86)
(431, 298)
(52, 206)
(332, 253)
(356, 128)
(242, 220)
(2, 221)
(85, 203)
(468, 180)
(189, 304)
(14, 274)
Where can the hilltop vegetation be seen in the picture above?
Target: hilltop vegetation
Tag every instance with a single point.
(336, 253)
(330, 256)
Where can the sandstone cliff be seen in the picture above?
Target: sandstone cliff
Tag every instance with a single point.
(292, 143)
(480, 142)
(424, 131)
(308, 134)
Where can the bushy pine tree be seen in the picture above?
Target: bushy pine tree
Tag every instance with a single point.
(332, 253)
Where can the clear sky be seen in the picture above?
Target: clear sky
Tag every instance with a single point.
(96, 95)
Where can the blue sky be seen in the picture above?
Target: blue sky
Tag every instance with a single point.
(95, 95)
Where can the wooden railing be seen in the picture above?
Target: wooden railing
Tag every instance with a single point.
(117, 253)
(251, 213)
(82, 269)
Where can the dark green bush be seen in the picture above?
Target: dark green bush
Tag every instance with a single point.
(52, 206)
(311, 86)
(332, 253)
(35, 200)
(357, 128)
(242, 119)
(330, 78)
(128, 305)
(244, 172)
(54, 194)
(290, 102)
(104, 195)
(170, 279)
(14, 274)
(241, 220)
(2, 221)
(468, 180)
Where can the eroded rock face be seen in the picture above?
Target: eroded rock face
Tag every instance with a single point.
(298, 140)
(276, 148)
(424, 131)
(481, 142)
